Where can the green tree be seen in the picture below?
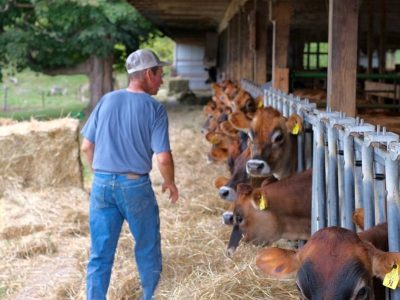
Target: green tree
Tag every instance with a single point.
(71, 37)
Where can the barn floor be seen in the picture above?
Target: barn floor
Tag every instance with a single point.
(44, 236)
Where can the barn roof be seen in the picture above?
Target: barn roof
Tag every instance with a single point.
(183, 18)
(193, 19)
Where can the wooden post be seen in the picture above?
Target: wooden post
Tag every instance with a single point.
(247, 54)
(342, 62)
(260, 59)
(281, 81)
(382, 43)
(281, 15)
(229, 51)
(382, 46)
(370, 38)
(235, 48)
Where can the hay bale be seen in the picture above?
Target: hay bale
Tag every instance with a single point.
(42, 153)
(177, 85)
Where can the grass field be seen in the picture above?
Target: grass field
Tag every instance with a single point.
(29, 94)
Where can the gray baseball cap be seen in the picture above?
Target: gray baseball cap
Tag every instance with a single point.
(143, 59)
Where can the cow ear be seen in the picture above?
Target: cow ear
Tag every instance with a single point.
(220, 181)
(228, 129)
(244, 189)
(294, 124)
(239, 121)
(277, 262)
(258, 199)
(219, 154)
(358, 218)
(383, 262)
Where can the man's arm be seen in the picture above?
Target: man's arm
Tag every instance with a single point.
(87, 149)
(166, 167)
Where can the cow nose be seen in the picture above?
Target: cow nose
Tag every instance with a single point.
(257, 167)
(227, 218)
(227, 193)
(223, 193)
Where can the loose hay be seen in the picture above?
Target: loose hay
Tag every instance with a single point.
(195, 264)
(13, 232)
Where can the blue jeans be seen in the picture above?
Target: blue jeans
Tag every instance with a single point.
(113, 199)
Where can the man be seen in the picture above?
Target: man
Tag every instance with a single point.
(121, 135)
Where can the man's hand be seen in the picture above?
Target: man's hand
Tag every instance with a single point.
(173, 191)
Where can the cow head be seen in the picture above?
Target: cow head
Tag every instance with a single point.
(223, 146)
(250, 211)
(334, 264)
(272, 140)
(231, 89)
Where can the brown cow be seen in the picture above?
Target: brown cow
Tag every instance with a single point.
(281, 209)
(273, 142)
(336, 263)
(268, 122)
(227, 186)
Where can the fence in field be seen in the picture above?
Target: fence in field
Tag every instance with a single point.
(355, 165)
(16, 98)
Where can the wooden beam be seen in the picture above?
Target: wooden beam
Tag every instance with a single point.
(382, 39)
(260, 60)
(230, 12)
(247, 54)
(370, 35)
(342, 61)
(281, 15)
(235, 47)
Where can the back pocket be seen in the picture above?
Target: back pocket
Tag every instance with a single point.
(98, 196)
(138, 198)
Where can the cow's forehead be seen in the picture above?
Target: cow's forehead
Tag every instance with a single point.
(266, 120)
(242, 98)
(332, 249)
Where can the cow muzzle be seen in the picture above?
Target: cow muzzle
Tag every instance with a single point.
(227, 218)
(257, 168)
(227, 193)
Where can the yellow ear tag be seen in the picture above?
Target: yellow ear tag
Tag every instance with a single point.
(392, 278)
(260, 104)
(214, 140)
(263, 203)
(296, 128)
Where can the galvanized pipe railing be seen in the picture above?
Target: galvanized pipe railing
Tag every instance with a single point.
(355, 164)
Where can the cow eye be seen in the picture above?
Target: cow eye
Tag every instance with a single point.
(277, 137)
(250, 106)
(363, 293)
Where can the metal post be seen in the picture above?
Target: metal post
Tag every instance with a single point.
(318, 201)
(393, 209)
(380, 193)
(368, 186)
(333, 207)
(348, 200)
